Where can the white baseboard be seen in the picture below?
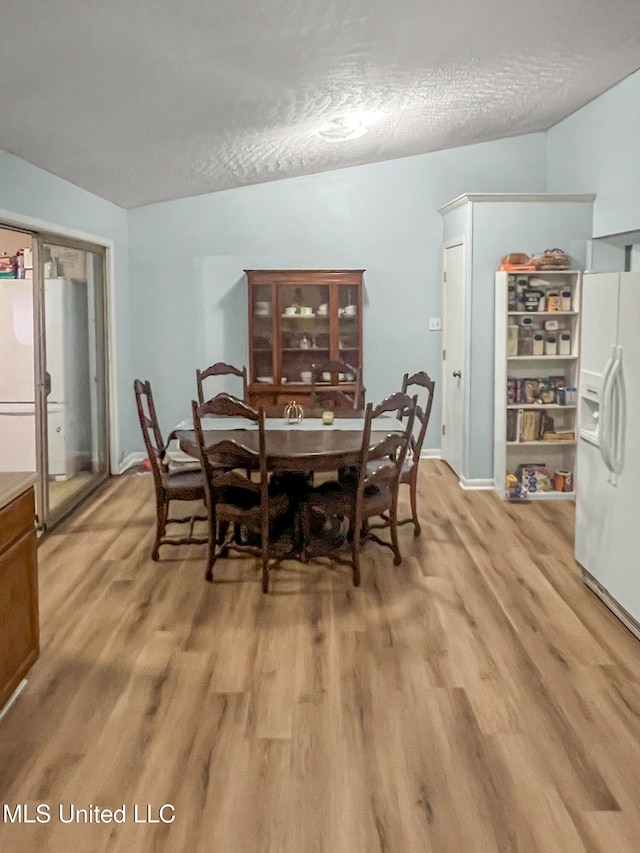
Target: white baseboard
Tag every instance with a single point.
(131, 461)
(479, 483)
(430, 453)
(615, 607)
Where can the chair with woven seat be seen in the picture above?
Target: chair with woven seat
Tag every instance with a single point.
(372, 490)
(409, 474)
(323, 393)
(170, 486)
(234, 501)
(220, 368)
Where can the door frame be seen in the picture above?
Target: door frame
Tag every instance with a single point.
(40, 228)
(50, 519)
(466, 360)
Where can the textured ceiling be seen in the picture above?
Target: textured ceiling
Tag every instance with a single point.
(147, 100)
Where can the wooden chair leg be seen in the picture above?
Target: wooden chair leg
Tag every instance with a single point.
(413, 488)
(393, 530)
(305, 532)
(356, 526)
(212, 541)
(162, 513)
(355, 560)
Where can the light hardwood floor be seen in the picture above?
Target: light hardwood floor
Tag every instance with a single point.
(475, 698)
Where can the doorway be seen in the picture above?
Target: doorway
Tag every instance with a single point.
(72, 382)
(454, 333)
(53, 399)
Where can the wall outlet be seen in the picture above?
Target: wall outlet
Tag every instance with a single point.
(435, 324)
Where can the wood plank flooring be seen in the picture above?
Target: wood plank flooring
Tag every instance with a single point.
(476, 698)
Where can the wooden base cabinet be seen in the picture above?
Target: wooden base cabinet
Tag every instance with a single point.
(298, 318)
(19, 630)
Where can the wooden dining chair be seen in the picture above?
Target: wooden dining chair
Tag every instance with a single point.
(409, 474)
(220, 368)
(233, 500)
(169, 486)
(325, 392)
(372, 490)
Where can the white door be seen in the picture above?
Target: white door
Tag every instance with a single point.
(598, 320)
(618, 572)
(453, 350)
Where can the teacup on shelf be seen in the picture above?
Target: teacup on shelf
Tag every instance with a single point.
(306, 375)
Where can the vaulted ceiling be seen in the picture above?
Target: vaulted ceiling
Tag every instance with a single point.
(146, 100)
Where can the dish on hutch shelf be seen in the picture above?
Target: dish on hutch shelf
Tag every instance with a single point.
(298, 311)
(262, 309)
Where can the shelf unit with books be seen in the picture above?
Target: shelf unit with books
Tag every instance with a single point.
(537, 329)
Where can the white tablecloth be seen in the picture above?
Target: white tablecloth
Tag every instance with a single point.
(381, 424)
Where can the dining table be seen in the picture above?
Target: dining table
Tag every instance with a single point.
(307, 445)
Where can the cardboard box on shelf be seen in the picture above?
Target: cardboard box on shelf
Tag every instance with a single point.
(534, 477)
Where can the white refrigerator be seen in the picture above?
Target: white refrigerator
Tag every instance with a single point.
(18, 381)
(17, 376)
(607, 543)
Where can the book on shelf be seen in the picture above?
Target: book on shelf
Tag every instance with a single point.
(567, 435)
(528, 425)
(528, 429)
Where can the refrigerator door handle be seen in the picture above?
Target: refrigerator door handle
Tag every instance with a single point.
(618, 399)
(604, 421)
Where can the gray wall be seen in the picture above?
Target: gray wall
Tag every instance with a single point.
(28, 191)
(596, 150)
(188, 301)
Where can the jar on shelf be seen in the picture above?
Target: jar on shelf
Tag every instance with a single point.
(564, 346)
(538, 343)
(554, 302)
(551, 345)
(566, 300)
(525, 336)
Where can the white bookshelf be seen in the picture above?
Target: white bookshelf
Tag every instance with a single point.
(524, 377)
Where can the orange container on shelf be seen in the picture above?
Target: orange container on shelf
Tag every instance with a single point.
(563, 480)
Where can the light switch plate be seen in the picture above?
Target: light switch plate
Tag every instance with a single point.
(435, 324)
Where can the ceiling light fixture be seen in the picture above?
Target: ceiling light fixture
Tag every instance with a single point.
(343, 128)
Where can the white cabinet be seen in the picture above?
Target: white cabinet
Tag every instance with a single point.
(536, 372)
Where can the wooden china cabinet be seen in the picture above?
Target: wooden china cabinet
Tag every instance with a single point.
(298, 318)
